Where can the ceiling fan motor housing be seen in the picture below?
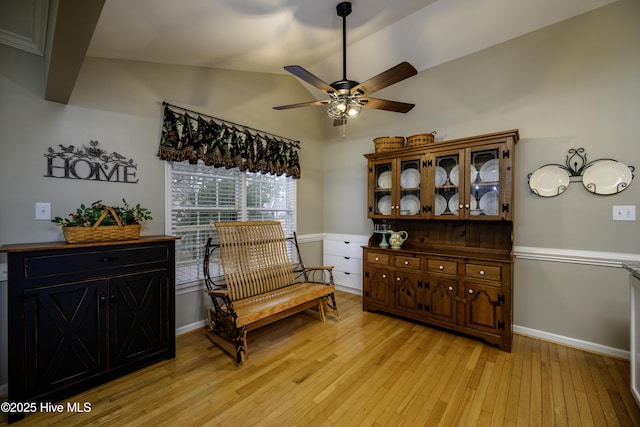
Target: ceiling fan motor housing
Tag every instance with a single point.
(344, 86)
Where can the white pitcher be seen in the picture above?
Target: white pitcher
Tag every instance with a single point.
(397, 238)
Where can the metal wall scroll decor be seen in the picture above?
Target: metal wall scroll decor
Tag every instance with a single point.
(90, 163)
(602, 176)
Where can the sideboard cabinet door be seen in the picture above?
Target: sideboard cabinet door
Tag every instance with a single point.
(138, 315)
(64, 335)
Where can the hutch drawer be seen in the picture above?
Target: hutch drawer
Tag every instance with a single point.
(442, 266)
(377, 258)
(487, 272)
(408, 262)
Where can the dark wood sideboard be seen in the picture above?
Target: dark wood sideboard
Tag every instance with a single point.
(82, 314)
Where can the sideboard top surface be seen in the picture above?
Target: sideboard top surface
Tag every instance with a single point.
(44, 246)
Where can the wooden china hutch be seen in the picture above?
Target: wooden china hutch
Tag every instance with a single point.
(455, 269)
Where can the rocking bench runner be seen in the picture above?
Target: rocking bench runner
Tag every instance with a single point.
(259, 284)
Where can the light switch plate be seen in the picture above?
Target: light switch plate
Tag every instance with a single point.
(624, 213)
(43, 211)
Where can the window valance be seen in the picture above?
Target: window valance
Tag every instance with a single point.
(189, 135)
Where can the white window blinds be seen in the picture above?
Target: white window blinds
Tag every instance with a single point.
(202, 195)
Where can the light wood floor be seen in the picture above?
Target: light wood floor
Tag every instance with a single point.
(363, 369)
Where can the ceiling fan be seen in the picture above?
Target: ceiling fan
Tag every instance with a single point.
(348, 97)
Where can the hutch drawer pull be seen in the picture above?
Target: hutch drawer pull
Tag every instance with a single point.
(406, 263)
(441, 267)
(470, 291)
(377, 259)
(466, 206)
(398, 279)
(450, 288)
(384, 276)
(460, 206)
(482, 272)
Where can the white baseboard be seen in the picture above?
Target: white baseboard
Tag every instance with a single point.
(191, 327)
(572, 342)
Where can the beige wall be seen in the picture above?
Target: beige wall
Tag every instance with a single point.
(573, 84)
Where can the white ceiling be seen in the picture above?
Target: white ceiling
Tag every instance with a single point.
(265, 35)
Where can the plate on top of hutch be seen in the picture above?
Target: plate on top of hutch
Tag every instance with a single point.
(549, 181)
(489, 172)
(606, 177)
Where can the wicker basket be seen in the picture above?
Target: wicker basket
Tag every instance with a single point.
(388, 143)
(104, 233)
(420, 139)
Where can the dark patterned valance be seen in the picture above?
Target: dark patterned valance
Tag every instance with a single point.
(188, 135)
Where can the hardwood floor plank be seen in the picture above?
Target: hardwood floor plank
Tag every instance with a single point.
(362, 369)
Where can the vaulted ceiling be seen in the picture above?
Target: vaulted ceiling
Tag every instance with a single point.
(265, 35)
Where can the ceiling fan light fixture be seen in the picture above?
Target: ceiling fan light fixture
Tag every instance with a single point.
(342, 107)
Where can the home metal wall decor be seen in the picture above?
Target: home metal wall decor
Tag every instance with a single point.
(601, 176)
(90, 163)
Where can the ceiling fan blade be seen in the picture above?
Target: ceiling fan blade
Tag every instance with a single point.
(302, 104)
(386, 78)
(305, 75)
(383, 104)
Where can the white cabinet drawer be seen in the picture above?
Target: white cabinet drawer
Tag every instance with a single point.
(347, 280)
(344, 264)
(343, 248)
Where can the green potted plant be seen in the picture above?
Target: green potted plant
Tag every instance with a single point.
(100, 223)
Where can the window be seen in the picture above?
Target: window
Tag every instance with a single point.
(202, 195)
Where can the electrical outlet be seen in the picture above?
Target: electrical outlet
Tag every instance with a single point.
(43, 211)
(624, 213)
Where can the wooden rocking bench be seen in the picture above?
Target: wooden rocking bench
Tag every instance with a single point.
(259, 283)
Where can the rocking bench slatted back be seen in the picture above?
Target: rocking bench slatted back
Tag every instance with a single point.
(254, 257)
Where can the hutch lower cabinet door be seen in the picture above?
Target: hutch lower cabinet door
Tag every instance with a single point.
(83, 314)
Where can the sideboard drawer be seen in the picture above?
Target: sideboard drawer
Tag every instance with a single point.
(488, 272)
(442, 266)
(408, 262)
(377, 258)
(64, 263)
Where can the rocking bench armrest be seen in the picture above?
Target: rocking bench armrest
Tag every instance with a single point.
(219, 292)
